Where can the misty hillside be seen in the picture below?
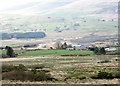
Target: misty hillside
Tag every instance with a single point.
(64, 19)
(108, 8)
(67, 6)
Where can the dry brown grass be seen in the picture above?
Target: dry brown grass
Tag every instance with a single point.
(62, 67)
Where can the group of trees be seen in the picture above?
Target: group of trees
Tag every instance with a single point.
(28, 35)
(98, 51)
(10, 51)
(59, 45)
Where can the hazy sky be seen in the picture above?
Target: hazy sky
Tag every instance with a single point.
(10, 3)
(4, 4)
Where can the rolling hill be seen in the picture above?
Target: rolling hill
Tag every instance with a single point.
(64, 19)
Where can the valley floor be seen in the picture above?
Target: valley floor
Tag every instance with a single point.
(69, 69)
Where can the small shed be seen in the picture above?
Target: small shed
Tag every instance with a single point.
(80, 47)
(110, 49)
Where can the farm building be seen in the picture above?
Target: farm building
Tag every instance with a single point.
(78, 47)
(2, 47)
(110, 49)
(69, 48)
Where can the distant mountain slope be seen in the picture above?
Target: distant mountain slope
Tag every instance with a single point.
(61, 16)
(75, 6)
(108, 8)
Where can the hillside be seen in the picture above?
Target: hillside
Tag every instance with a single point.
(64, 20)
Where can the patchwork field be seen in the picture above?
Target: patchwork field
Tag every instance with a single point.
(70, 69)
(75, 22)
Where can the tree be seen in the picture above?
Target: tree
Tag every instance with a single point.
(64, 46)
(51, 48)
(102, 51)
(99, 51)
(58, 45)
(96, 50)
(69, 46)
(10, 51)
(91, 48)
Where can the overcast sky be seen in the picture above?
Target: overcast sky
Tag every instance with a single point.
(5, 4)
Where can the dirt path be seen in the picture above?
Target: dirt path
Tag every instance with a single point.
(39, 57)
(22, 58)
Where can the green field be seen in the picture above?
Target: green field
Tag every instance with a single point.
(117, 52)
(56, 52)
(15, 51)
(51, 52)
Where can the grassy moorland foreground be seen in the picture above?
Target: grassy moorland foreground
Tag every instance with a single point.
(54, 68)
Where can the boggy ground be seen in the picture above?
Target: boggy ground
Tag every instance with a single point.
(69, 69)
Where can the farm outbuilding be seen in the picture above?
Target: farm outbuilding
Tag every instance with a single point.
(80, 47)
(110, 49)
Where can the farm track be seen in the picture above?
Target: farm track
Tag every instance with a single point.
(47, 56)
(21, 58)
